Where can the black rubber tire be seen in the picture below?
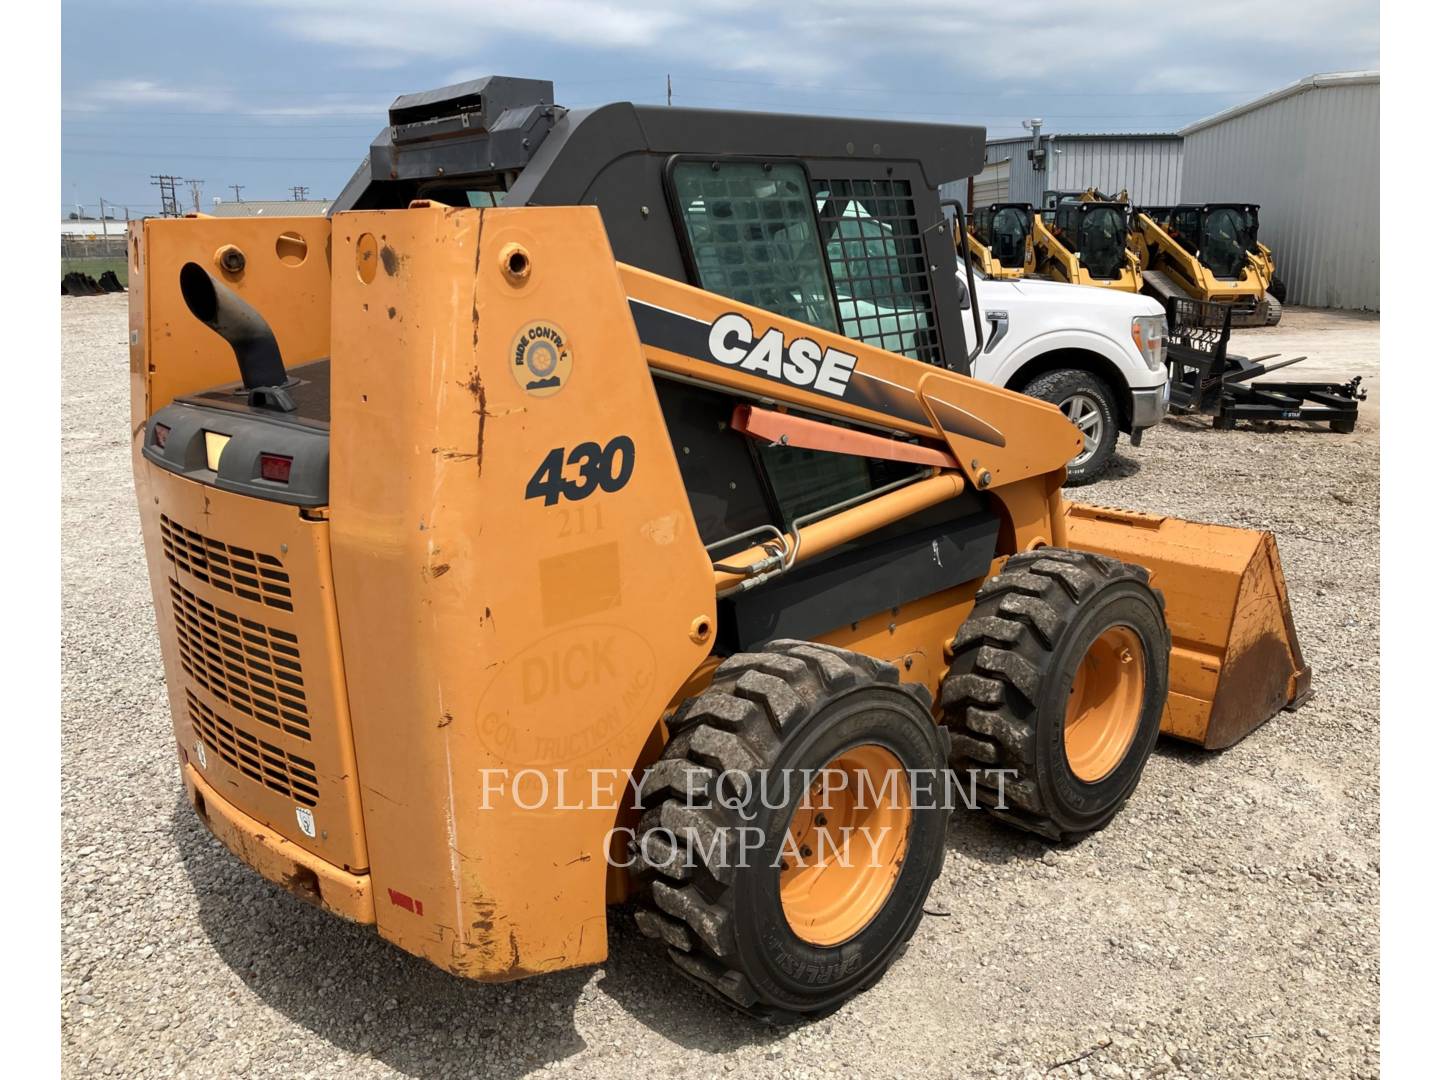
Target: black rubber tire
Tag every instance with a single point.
(1015, 658)
(1064, 383)
(1277, 289)
(1273, 310)
(794, 706)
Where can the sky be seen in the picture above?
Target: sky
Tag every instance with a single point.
(274, 94)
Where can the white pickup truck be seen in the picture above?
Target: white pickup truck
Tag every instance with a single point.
(1097, 354)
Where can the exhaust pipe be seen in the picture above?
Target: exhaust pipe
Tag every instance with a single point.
(242, 327)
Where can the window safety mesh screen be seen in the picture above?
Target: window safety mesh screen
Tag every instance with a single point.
(752, 235)
(872, 239)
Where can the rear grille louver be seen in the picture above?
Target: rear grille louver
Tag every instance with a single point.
(249, 666)
(265, 763)
(251, 575)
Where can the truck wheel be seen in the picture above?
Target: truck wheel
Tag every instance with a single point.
(1087, 401)
(790, 836)
(1059, 678)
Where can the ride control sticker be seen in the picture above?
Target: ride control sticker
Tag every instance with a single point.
(540, 359)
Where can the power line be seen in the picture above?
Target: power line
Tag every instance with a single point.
(279, 114)
(237, 188)
(196, 186)
(903, 114)
(212, 138)
(208, 124)
(381, 111)
(351, 158)
(1008, 94)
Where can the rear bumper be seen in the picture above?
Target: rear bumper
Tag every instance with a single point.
(1147, 406)
(278, 860)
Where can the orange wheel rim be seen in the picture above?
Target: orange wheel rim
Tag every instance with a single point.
(1103, 712)
(845, 845)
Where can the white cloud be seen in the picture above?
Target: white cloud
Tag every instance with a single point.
(841, 49)
(1192, 46)
(120, 92)
(138, 94)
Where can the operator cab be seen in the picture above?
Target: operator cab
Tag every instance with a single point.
(1222, 235)
(1097, 232)
(1005, 229)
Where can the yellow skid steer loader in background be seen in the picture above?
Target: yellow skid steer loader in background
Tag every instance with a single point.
(1084, 239)
(1211, 253)
(1000, 240)
(597, 517)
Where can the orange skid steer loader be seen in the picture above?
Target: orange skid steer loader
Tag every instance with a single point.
(595, 520)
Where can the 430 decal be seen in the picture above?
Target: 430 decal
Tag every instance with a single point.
(603, 468)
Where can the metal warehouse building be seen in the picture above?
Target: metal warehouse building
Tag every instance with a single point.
(1148, 166)
(1309, 156)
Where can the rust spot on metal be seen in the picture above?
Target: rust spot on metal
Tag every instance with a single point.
(303, 883)
(390, 312)
(440, 571)
(446, 720)
(477, 390)
(1253, 686)
(389, 260)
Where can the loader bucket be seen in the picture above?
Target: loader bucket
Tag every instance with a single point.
(1234, 658)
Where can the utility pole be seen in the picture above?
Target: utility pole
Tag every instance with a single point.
(237, 188)
(196, 186)
(299, 192)
(668, 99)
(103, 230)
(169, 204)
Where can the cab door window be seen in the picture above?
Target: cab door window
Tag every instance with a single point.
(754, 238)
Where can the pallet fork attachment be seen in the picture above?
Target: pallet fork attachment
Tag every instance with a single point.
(1206, 378)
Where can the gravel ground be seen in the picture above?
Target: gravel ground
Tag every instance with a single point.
(1225, 925)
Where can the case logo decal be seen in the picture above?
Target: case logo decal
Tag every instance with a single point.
(801, 363)
(540, 359)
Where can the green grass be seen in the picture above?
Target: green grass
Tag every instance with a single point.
(96, 267)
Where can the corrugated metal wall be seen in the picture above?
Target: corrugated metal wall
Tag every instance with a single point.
(1312, 162)
(1149, 168)
(1026, 185)
(1022, 177)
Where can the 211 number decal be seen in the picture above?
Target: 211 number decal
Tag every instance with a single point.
(607, 468)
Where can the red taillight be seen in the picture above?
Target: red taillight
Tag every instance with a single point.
(161, 434)
(275, 467)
